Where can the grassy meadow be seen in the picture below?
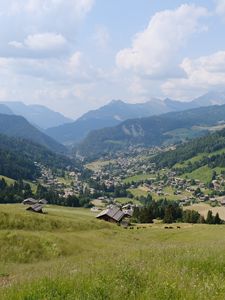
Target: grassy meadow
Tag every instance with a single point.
(138, 177)
(204, 174)
(68, 254)
(98, 164)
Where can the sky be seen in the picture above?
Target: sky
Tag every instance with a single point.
(76, 55)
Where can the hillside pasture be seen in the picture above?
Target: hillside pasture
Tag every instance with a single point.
(123, 200)
(7, 179)
(98, 164)
(94, 260)
(139, 177)
(204, 174)
(203, 209)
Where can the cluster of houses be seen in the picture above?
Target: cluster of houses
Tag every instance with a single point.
(49, 179)
(35, 205)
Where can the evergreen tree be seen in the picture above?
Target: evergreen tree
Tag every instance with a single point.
(210, 218)
(201, 220)
(217, 219)
(168, 217)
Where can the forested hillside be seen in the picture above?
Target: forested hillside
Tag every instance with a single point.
(208, 144)
(202, 158)
(17, 126)
(17, 157)
(152, 131)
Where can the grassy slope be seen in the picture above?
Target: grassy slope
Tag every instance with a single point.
(11, 181)
(204, 174)
(98, 164)
(7, 179)
(127, 200)
(198, 157)
(92, 259)
(168, 193)
(203, 209)
(137, 178)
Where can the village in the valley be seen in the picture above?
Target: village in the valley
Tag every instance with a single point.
(126, 181)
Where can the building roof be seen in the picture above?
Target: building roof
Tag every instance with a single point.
(36, 208)
(43, 201)
(115, 213)
(29, 200)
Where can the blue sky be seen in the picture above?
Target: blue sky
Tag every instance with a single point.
(77, 55)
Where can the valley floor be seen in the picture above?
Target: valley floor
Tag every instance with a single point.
(68, 254)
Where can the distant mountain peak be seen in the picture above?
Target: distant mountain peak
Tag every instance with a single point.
(39, 115)
(117, 111)
(115, 101)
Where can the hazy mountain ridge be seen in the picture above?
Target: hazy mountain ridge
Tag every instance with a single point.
(151, 131)
(4, 109)
(17, 126)
(38, 115)
(111, 114)
(118, 111)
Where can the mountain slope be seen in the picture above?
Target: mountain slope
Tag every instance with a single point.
(38, 115)
(198, 148)
(151, 131)
(17, 157)
(211, 98)
(118, 111)
(109, 115)
(17, 126)
(202, 158)
(5, 110)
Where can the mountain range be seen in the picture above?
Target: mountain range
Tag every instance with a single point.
(118, 111)
(4, 109)
(29, 122)
(19, 127)
(38, 115)
(159, 130)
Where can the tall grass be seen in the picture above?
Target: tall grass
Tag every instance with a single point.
(21, 219)
(166, 274)
(111, 262)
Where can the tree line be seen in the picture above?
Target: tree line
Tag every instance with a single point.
(171, 212)
(19, 190)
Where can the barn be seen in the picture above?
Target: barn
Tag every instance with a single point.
(29, 201)
(36, 208)
(113, 215)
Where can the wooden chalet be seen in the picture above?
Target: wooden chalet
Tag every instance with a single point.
(43, 201)
(113, 215)
(37, 208)
(29, 201)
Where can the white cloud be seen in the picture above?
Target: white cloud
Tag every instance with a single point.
(220, 7)
(45, 41)
(40, 25)
(101, 37)
(78, 68)
(16, 44)
(14, 7)
(202, 74)
(154, 51)
(3, 93)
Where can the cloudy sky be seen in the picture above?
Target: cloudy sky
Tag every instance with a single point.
(76, 55)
